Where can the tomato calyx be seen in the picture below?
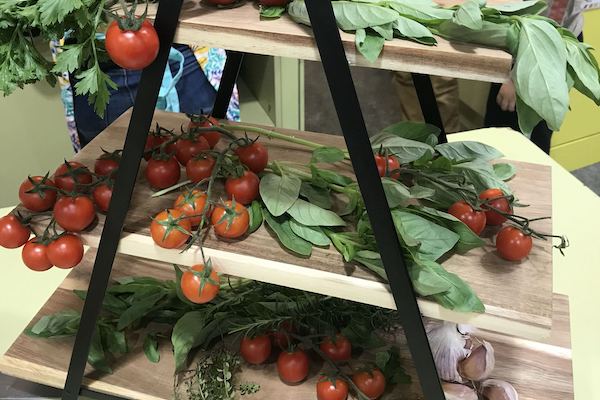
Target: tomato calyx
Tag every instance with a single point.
(204, 275)
(129, 21)
(74, 173)
(40, 187)
(230, 213)
(172, 223)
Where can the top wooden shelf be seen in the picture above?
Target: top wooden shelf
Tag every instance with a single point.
(241, 29)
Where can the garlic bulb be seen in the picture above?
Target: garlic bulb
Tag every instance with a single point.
(494, 389)
(448, 348)
(456, 391)
(479, 364)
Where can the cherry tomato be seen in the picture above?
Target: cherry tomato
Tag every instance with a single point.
(475, 220)
(66, 251)
(40, 199)
(273, 3)
(102, 195)
(192, 204)
(168, 231)
(162, 174)
(66, 176)
(13, 233)
(502, 204)
(194, 290)
(255, 350)
(35, 256)
(255, 156)
(185, 149)
(198, 169)
(243, 189)
(74, 213)
(292, 366)
(132, 49)
(212, 137)
(107, 164)
(512, 244)
(281, 337)
(229, 222)
(153, 141)
(372, 384)
(332, 389)
(392, 165)
(339, 349)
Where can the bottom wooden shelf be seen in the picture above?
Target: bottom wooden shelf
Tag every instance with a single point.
(539, 371)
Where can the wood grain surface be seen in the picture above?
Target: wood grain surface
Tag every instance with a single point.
(539, 371)
(241, 29)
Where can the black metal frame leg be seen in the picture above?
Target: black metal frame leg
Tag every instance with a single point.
(230, 75)
(353, 126)
(428, 102)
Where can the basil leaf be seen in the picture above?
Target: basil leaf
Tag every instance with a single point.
(279, 192)
(316, 195)
(405, 149)
(481, 175)
(421, 192)
(586, 72)
(329, 177)
(385, 31)
(138, 310)
(368, 44)
(469, 15)
(96, 356)
(271, 12)
(312, 234)
(408, 29)
(425, 281)
(352, 16)
(465, 150)
(327, 155)
(417, 131)
(63, 323)
(151, 348)
(528, 118)
(504, 171)
(347, 243)
(188, 333)
(115, 340)
(443, 195)
(371, 260)
(351, 205)
(256, 217)
(491, 34)
(395, 192)
(520, 7)
(298, 12)
(287, 237)
(312, 215)
(421, 10)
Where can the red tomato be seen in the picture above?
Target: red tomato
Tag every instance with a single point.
(339, 349)
(475, 220)
(107, 164)
(194, 290)
(281, 337)
(102, 195)
(185, 149)
(255, 350)
(162, 174)
(243, 189)
(392, 165)
(153, 141)
(66, 251)
(132, 49)
(332, 389)
(168, 230)
(38, 199)
(66, 176)
(192, 204)
(201, 121)
(502, 204)
(13, 233)
(512, 244)
(372, 384)
(229, 222)
(255, 156)
(35, 256)
(292, 366)
(198, 169)
(273, 3)
(74, 213)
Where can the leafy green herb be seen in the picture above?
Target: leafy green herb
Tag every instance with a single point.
(151, 348)
(256, 217)
(285, 234)
(279, 192)
(467, 150)
(311, 215)
(313, 234)
(272, 12)
(317, 195)
(469, 15)
(504, 171)
(327, 155)
(369, 44)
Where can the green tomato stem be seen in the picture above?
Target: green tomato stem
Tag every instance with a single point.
(272, 135)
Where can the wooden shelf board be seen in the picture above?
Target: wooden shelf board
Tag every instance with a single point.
(537, 370)
(241, 29)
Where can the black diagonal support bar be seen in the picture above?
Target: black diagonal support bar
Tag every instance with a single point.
(141, 119)
(353, 126)
(428, 103)
(230, 75)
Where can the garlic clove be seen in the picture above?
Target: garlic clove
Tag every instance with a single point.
(456, 391)
(448, 348)
(495, 389)
(479, 364)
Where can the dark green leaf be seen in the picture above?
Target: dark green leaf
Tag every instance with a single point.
(63, 323)
(418, 131)
(279, 192)
(351, 204)
(188, 333)
(287, 237)
(405, 149)
(271, 12)
(396, 192)
(327, 155)
(465, 150)
(318, 196)
(95, 84)
(115, 340)
(139, 310)
(371, 260)
(54, 11)
(311, 215)
(96, 356)
(329, 176)
(481, 175)
(151, 348)
(68, 60)
(441, 164)
(368, 44)
(420, 192)
(504, 171)
(426, 281)
(347, 243)
(469, 15)
(256, 217)
(313, 234)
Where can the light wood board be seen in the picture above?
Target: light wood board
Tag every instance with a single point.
(539, 371)
(241, 29)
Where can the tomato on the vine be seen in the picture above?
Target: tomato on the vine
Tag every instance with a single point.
(281, 337)
(107, 164)
(474, 219)
(255, 350)
(254, 155)
(71, 173)
(192, 204)
(387, 165)
(74, 213)
(66, 251)
(513, 244)
(204, 121)
(500, 203)
(170, 229)
(153, 141)
(132, 48)
(371, 383)
(162, 173)
(35, 255)
(332, 389)
(200, 285)
(337, 349)
(292, 366)
(185, 149)
(230, 222)
(13, 233)
(199, 168)
(35, 196)
(102, 195)
(243, 189)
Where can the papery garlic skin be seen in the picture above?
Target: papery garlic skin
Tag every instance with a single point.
(456, 391)
(479, 364)
(448, 348)
(495, 389)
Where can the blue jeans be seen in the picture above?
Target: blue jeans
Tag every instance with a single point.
(196, 95)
